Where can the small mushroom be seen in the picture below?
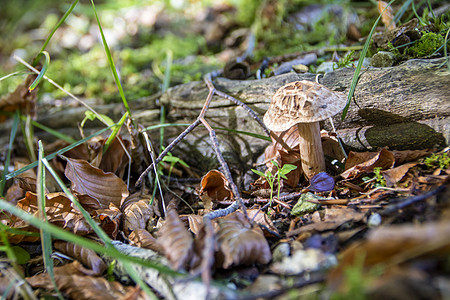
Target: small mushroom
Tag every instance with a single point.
(304, 104)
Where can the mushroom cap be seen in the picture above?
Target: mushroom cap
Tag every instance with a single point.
(302, 102)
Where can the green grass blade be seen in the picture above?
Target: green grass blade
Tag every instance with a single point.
(115, 132)
(43, 70)
(73, 238)
(12, 137)
(53, 132)
(111, 62)
(46, 238)
(18, 73)
(53, 155)
(360, 63)
(56, 28)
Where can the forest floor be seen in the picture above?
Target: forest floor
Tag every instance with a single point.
(111, 206)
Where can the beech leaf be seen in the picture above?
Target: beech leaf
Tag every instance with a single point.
(176, 241)
(86, 256)
(240, 243)
(86, 179)
(214, 187)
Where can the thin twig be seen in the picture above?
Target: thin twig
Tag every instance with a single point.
(212, 91)
(168, 148)
(411, 200)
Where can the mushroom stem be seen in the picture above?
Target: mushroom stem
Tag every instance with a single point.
(311, 152)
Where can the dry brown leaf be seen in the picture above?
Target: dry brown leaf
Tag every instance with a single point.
(260, 217)
(240, 243)
(387, 15)
(57, 206)
(214, 187)
(383, 159)
(332, 218)
(21, 98)
(105, 187)
(394, 175)
(142, 238)
(404, 156)
(86, 256)
(75, 222)
(78, 286)
(137, 216)
(395, 245)
(176, 241)
(114, 159)
(195, 222)
(109, 219)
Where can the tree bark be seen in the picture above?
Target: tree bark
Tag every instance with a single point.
(401, 107)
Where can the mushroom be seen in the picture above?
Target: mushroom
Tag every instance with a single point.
(305, 103)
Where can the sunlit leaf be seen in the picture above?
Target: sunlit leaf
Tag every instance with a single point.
(86, 179)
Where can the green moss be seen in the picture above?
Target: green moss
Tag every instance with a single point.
(427, 45)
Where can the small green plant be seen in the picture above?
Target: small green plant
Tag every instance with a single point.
(378, 178)
(270, 178)
(438, 160)
(345, 62)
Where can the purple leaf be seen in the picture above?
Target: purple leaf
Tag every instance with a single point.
(321, 182)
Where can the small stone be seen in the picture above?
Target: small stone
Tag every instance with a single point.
(300, 68)
(374, 220)
(383, 59)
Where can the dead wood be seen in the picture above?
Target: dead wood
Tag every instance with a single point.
(401, 107)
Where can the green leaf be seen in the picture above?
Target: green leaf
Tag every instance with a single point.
(258, 173)
(287, 168)
(43, 70)
(21, 255)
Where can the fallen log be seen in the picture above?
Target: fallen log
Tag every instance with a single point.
(401, 107)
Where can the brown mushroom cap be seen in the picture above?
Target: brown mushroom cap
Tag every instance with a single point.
(302, 102)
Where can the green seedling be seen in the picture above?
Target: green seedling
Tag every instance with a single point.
(378, 178)
(345, 62)
(270, 178)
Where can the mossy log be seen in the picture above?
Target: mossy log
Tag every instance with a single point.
(401, 107)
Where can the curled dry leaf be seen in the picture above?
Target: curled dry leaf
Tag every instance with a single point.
(21, 98)
(105, 187)
(137, 216)
(86, 256)
(143, 239)
(109, 219)
(394, 175)
(387, 15)
(400, 157)
(240, 243)
(176, 241)
(383, 159)
(261, 218)
(75, 222)
(214, 187)
(195, 222)
(57, 206)
(114, 159)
